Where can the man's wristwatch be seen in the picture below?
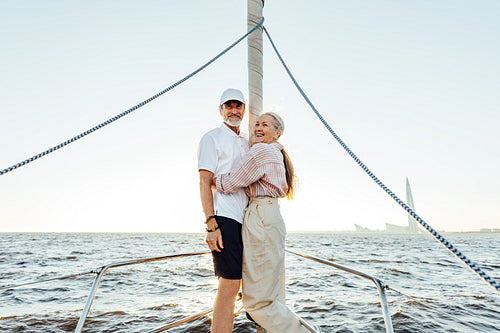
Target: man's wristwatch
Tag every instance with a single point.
(209, 218)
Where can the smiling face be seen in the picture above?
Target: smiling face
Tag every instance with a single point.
(266, 130)
(232, 112)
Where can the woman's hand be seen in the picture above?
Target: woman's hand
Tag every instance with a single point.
(214, 187)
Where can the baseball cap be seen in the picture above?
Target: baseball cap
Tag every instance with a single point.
(232, 95)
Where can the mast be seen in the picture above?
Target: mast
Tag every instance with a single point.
(255, 72)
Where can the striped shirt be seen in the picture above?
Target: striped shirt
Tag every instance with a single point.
(262, 173)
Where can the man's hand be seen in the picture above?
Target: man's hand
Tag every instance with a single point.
(214, 240)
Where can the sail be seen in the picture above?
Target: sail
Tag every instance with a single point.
(412, 224)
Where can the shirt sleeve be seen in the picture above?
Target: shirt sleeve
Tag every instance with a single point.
(247, 173)
(207, 154)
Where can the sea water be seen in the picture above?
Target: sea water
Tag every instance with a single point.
(430, 290)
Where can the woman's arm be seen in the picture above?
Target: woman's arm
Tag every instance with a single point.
(247, 173)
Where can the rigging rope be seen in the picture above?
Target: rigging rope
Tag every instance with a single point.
(109, 121)
(434, 233)
(476, 269)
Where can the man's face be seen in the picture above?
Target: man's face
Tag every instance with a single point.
(232, 112)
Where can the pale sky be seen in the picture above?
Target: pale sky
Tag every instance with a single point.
(412, 87)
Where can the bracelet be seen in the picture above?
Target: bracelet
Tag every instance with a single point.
(213, 229)
(209, 218)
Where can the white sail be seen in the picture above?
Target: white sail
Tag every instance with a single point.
(412, 224)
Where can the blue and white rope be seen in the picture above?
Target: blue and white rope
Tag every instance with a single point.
(433, 232)
(109, 121)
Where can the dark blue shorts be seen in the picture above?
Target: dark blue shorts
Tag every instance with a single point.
(228, 262)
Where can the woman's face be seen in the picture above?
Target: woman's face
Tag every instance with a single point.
(264, 130)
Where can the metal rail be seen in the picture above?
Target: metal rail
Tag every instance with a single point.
(103, 270)
(180, 322)
(189, 319)
(380, 286)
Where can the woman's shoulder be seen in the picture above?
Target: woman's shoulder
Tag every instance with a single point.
(265, 149)
(262, 146)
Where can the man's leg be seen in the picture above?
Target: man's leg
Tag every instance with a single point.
(223, 317)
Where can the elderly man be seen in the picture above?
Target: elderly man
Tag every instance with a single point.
(221, 150)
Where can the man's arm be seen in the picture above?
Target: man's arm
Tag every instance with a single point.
(213, 239)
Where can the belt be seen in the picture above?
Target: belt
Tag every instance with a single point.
(264, 200)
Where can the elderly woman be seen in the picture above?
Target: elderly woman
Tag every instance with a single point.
(266, 174)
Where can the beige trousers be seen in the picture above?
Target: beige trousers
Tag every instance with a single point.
(263, 236)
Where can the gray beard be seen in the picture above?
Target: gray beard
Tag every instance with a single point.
(236, 124)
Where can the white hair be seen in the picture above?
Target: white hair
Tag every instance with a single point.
(280, 125)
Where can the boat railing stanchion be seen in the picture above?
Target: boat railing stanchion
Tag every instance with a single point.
(380, 287)
(105, 268)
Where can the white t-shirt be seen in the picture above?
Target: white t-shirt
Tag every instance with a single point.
(222, 150)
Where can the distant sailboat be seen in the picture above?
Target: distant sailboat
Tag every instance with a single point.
(412, 226)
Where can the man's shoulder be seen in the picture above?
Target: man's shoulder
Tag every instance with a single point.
(223, 134)
(213, 131)
(212, 135)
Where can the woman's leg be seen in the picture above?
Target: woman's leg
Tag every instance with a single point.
(263, 267)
